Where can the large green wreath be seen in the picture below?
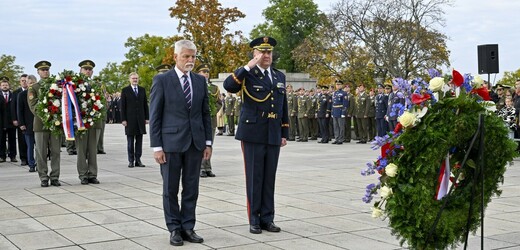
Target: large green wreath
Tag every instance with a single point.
(449, 124)
(411, 162)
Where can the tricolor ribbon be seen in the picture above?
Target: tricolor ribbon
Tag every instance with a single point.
(70, 110)
(444, 179)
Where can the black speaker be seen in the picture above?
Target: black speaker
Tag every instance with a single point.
(488, 59)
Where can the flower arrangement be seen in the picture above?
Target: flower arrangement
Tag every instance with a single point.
(68, 104)
(423, 155)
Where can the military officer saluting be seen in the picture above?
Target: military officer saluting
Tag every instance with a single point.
(263, 128)
(163, 68)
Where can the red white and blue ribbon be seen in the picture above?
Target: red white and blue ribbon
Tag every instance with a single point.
(444, 179)
(70, 110)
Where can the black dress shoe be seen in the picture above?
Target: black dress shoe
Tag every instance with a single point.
(93, 180)
(32, 169)
(270, 227)
(203, 174)
(55, 183)
(84, 181)
(334, 142)
(139, 164)
(101, 152)
(24, 163)
(339, 143)
(130, 164)
(45, 183)
(210, 174)
(13, 159)
(255, 229)
(190, 236)
(176, 239)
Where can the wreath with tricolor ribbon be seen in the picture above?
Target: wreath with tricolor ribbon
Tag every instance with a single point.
(69, 104)
(421, 157)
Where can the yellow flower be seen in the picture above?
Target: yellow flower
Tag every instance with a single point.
(57, 123)
(436, 84)
(376, 212)
(50, 95)
(407, 119)
(477, 82)
(391, 170)
(386, 192)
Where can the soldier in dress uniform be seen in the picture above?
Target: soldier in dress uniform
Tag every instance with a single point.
(313, 119)
(292, 104)
(393, 98)
(381, 108)
(350, 100)
(229, 107)
(87, 143)
(163, 68)
(43, 137)
(362, 107)
(339, 112)
(214, 97)
(263, 128)
(323, 114)
(303, 112)
(237, 107)
(372, 115)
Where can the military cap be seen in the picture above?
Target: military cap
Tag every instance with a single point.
(163, 67)
(202, 67)
(88, 64)
(339, 82)
(42, 65)
(379, 85)
(4, 79)
(263, 43)
(388, 84)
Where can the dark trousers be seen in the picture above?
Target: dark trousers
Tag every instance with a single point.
(134, 147)
(293, 127)
(392, 124)
(22, 145)
(348, 128)
(382, 126)
(261, 161)
(29, 140)
(324, 129)
(186, 164)
(10, 135)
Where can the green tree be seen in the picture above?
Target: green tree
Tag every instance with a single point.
(216, 45)
(9, 68)
(145, 53)
(509, 78)
(289, 22)
(113, 77)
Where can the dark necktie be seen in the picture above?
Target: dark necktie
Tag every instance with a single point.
(6, 97)
(266, 73)
(187, 90)
(135, 91)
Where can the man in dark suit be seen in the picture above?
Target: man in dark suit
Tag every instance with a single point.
(22, 146)
(9, 117)
(25, 123)
(180, 135)
(323, 113)
(263, 128)
(134, 115)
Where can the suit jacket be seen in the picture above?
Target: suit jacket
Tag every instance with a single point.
(25, 116)
(9, 115)
(264, 114)
(134, 110)
(172, 125)
(14, 108)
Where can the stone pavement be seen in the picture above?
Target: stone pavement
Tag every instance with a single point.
(318, 204)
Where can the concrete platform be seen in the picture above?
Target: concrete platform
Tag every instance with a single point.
(318, 203)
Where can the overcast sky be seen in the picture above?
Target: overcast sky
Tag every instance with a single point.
(66, 32)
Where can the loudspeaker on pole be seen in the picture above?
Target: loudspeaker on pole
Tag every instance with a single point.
(488, 58)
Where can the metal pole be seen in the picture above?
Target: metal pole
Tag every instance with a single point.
(481, 162)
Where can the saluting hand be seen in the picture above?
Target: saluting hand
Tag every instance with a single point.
(252, 63)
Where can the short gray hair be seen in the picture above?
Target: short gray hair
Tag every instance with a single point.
(184, 44)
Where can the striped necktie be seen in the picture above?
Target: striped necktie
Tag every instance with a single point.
(187, 90)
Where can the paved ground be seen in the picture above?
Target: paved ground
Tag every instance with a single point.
(318, 204)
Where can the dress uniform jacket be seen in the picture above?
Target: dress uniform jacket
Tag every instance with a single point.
(339, 104)
(324, 105)
(264, 103)
(381, 105)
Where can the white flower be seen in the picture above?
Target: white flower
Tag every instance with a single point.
(376, 212)
(93, 98)
(57, 123)
(54, 86)
(92, 113)
(84, 94)
(489, 106)
(386, 192)
(391, 170)
(407, 119)
(436, 84)
(46, 110)
(477, 82)
(84, 105)
(45, 99)
(90, 119)
(58, 77)
(56, 103)
(83, 88)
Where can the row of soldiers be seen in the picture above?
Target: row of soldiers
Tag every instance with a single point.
(332, 113)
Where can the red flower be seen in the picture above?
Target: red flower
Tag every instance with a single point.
(418, 99)
(83, 113)
(458, 80)
(87, 96)
(87, 125)
(96, 108)
(68, 78)
(398, 128)
(482, 92)
(80, 81)
(54, 109)
(98, 97)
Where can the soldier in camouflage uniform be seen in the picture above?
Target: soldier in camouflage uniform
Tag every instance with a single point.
(229, 107)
